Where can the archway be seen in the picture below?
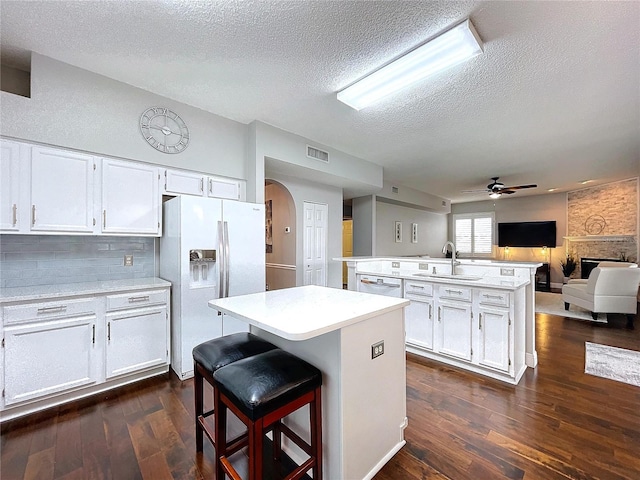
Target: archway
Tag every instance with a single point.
(280, 236)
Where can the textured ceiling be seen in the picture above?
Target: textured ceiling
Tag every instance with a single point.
(554, 99)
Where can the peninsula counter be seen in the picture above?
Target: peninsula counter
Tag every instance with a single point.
(364, 398)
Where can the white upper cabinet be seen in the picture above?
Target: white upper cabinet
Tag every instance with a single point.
(9, 186)
(130, 198)
(178, 182)
(62, 187)
(184, 182)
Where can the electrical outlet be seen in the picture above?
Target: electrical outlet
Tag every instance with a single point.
(377, 349)
(395, 264)
(506, 272)
(128, 260)
(423, 266)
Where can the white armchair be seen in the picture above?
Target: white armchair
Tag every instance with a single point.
(607, 290)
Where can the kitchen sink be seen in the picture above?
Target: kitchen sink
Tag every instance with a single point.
(448, 276)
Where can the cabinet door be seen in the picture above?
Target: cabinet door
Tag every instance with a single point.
(136, 340)
(48, 357)
(494, 338)
(61, 191)
(179, 182)
(130, 198)
(454, 320)
(9, 185)
(223, 188)
(419, 323)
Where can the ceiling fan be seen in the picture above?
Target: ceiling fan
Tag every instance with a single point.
(496, 188)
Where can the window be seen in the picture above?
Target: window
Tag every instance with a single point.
(473, 234)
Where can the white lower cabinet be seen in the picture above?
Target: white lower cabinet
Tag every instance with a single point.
(454, 324)
(57, 350)
(471, 328)
(136, 339)
(44, 358)
(494, 338)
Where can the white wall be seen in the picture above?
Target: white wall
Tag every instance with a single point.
(78, 109)
(432, 231)
(552, 206)
(306, 191)
(286, 154)
(363, 212)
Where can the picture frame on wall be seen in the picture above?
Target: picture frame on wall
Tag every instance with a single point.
(414, 233)
(398, 235)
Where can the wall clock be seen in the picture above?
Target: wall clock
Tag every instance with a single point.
(164, 130)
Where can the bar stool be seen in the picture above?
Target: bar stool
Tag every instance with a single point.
(209, 357)
(261, 391)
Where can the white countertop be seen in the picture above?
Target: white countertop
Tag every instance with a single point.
(43, 292)
(301, 313)
(461, 261)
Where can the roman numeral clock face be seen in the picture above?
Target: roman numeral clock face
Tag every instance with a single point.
(164, 130)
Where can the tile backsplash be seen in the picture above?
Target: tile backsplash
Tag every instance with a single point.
(54, 259)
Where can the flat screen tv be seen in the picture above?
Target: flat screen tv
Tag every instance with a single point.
(527, 234)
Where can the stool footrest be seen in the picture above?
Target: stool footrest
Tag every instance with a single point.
(301, 470)
(228, 469)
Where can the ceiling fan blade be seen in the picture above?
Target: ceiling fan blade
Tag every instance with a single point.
(520, 187)
(482, 190)
(508, 192)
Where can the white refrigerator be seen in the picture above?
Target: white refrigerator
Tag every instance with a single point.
(210, 248)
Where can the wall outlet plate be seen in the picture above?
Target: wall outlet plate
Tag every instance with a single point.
(507, 272)
(395, 264)
(423, 266)
(377, 349)
(128, 260)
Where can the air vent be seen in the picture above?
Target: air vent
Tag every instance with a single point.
(318, 154)
(395, 190)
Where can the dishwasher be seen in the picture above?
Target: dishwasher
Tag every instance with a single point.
(389, 287)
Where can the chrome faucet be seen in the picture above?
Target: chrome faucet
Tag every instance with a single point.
(453, 256)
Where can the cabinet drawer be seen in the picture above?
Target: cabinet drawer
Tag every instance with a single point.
(48, 310)
(455, 292)
(420, 289)
(493, 297)
(136, 299)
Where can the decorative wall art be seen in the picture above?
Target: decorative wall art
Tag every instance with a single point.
(398, 232)
(414, 233)
(268, 209)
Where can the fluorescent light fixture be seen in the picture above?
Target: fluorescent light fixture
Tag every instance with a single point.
(495, 195)
(584, 182)
(452, 47)
(552, 190)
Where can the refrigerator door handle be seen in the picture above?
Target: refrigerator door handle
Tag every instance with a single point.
(226, 260)
(221, 259)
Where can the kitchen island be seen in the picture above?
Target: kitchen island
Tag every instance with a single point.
(480, 317)
(339, 331)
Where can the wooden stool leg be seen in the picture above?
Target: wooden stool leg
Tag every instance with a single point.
(199, 405)
(256, 434)
(220, 436)
(315, 413)
(277, 441)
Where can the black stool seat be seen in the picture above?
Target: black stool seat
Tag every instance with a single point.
(222, 351)
(263, 383)
(261, 391)
(209, 357)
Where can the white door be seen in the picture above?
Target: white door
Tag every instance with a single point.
(223, 188)
(454, 320)
(49, 357)
(493, 326)
(136, 340)
(315, 243)
(61, 190)
(418, 318)
(130, 198)
(9, 185)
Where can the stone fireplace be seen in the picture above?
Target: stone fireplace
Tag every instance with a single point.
(602, 224)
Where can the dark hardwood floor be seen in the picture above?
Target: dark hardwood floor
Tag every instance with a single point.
(558, 423)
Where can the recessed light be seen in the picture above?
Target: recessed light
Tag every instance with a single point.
(552, 190)
(584, 182)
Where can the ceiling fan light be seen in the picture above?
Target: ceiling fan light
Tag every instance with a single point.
(495, 195)
(452, 47)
